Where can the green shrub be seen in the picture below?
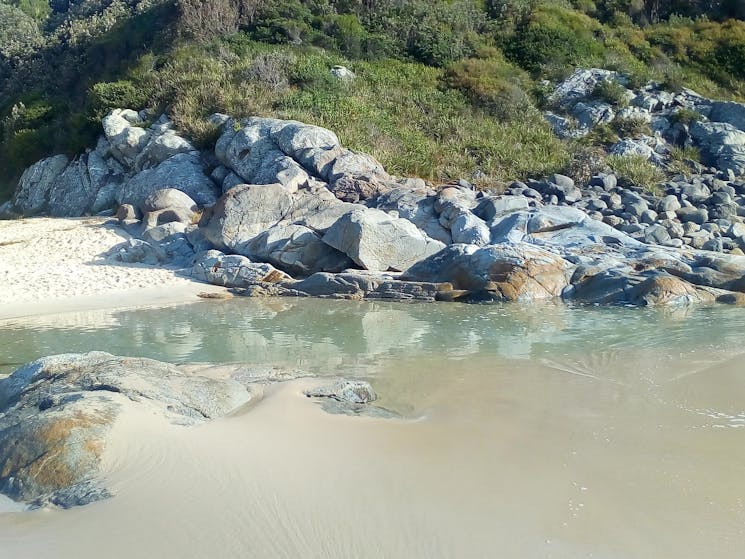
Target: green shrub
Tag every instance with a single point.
(631, 127)
(611, 92)
(682, 160)
(105, 96)
(601, 134)
(636, 170)
(555, 38)
(492, 84)
(685, 116)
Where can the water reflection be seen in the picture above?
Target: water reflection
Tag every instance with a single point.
(328, 336)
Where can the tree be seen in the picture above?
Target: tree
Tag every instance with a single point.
(19, 34)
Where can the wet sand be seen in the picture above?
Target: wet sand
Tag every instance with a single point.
(494, 458)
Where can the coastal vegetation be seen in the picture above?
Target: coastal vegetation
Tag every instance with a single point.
(443, 90)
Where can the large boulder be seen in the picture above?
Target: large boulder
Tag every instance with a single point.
(317, 208)
(244, 212)
(233, 270)
(358, 285)
(56, 415)
(162, 146)
(722, 145)
(296, 249)
(125, 132)
(85, 186)
(32, 195)
(168, 199)
(505, 272)
(253, 153)
(729, 112)
(184, 172)
(417, 206)
(294, 154)
(579, 86)
(377, 241)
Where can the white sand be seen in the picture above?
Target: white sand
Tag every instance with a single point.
(56, 265)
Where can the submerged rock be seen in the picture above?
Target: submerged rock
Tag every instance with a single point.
(345, 390)
(57, 413)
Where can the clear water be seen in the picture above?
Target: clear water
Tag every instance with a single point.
(567, 432)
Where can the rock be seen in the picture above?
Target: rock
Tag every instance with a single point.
(169, 199)
(694, 215)
(722, 145)
(656, 234)
(354, 190)
(342, 73)
(137, 251)
(606, 181)
(32, 195)
(264, 151)
(417, 207)
(458, 197)
(127, 212)
(563, 127)
(628, 147)
(648, 216)
(164, 232)
(496, 206)
(696, 193)
(86, 185)
(508, 272)
(579, 86)
(592, 113)
(562, 181)
(317, 209)
(175, 215)
(668, 203)
(57, 413)
(160, 148)
(469, 229)
(376, 241)
(126, 137)
(245, 212)
(8, 211)
(296, 249)
(233, 270)
(345, 390)
(182, 172)
(370, 286)
(728, 112)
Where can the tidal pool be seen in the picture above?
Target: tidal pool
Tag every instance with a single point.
(527, 431)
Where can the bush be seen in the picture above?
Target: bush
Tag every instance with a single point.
(105, 96)
(685, 116)
(492, 84)
(636, 170)
(611, 92)
(682, 160)
(555, 38)
(270, 69)
(632, 127)
(585, 163)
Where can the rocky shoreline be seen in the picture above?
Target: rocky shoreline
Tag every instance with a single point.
(280, 208)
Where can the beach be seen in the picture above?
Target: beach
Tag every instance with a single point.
(50, 265)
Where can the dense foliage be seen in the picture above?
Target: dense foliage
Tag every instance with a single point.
(445, 88)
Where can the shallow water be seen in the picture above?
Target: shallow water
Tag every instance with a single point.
(533, 431)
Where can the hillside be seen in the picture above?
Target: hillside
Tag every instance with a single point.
(443, 89)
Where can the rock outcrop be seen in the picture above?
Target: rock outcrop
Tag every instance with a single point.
(284, 209)
(57, 413)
